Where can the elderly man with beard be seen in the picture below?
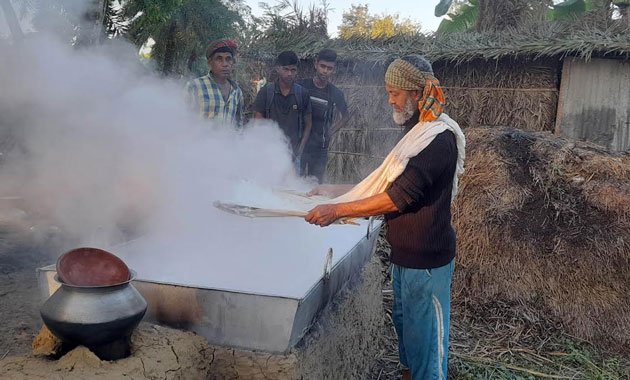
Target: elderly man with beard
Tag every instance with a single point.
(413, 188)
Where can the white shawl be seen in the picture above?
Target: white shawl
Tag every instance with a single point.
(418, 138)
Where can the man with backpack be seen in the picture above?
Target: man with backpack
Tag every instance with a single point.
(288, 104)
(326, 100)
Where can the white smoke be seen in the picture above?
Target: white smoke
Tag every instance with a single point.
(103, 147)
(99, 139)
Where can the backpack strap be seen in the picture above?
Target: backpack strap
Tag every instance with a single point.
(270, 91)
(298, 92)
(331, 106)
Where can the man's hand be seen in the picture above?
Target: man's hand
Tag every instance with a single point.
(323, 215)
(378, 204)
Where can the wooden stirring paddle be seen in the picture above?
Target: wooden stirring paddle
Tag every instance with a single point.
(257, 212)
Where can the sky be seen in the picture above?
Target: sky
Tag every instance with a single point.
(417, 10)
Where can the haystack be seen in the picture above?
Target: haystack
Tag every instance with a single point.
(545, 221)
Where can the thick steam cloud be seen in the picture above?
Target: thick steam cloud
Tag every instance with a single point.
(103, 152)
(99, 144)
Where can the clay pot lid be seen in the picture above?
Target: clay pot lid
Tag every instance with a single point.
(91, 267)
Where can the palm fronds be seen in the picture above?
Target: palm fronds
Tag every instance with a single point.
(543, 39)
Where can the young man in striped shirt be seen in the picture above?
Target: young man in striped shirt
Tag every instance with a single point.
(216, 95)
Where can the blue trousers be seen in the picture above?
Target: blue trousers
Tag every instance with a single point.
(421, 315)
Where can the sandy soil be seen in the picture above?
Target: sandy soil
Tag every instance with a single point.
(170, 354)
(19, 295)
(478, 331)
(156, 353)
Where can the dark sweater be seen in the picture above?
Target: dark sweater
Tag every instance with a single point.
(421, 234)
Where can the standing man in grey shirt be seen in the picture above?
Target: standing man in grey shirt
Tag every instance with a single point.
(327, 102)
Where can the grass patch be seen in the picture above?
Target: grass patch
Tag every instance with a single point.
(504, 340)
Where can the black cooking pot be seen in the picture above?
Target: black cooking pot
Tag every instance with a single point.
(94, 315)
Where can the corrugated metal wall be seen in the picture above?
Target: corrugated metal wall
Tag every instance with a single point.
(595, 102)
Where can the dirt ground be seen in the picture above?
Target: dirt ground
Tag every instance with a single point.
(156, 353)
(19, 295)
(504, 341)
(491, 341)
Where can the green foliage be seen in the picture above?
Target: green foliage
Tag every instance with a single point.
(114, 21)
(497, 15)
(355, 22)
(567, 9)
(462, 19)
(181, 30)
(598, 12)
(290, 19)
(358, 22)
(65, 19)
(442, 8)
(580, 362)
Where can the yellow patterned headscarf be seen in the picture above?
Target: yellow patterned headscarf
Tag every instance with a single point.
(405, 76)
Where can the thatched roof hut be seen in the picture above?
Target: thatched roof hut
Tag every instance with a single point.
(542, 40)
(541, 220)
(511, 79)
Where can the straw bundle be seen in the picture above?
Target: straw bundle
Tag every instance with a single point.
(545, 222)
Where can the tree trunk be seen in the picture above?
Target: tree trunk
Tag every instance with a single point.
(169, 49)
(499, 15)
(191, 60)
(91, 29)
(12, 20)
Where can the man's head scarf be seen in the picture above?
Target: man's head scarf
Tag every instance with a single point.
(405, 76)
(226, 45)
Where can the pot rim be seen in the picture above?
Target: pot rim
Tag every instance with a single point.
(132, 277)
